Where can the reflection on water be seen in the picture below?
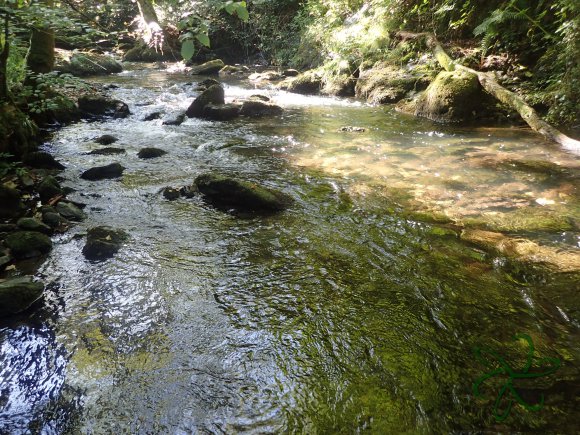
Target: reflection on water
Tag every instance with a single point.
(338, 315)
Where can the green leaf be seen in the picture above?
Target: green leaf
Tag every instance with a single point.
(187, 49)
(242, 12)
(203, 38)
(230, 8)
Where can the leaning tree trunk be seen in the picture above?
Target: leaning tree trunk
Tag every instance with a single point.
(40, 57)
(489, 83)
(147, 11)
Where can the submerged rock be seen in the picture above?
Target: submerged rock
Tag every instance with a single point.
(114, 170)
(28, 244)
(18, 294)
(106, 139)
(152, 116)
(10, 204)
(255, 108)
(107, 151)
(151, 153)
(41, 160)
(524, 250)
(207, 83)
(240, 195)
(351, 129)
(103, 242)
(212, 95)
(221, 112)
(211, 67)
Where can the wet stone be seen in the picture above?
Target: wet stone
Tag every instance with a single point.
(32, 224)
(107, 151)
(114, 170)
(106, 139)
(28, 244)
(151, 153)
(18, 294)
(70, 211)
(103, 242)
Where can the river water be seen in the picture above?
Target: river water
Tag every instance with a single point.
(342, 314)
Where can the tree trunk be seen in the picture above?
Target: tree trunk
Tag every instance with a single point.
(507, 97)
(4, 94)
(40, 57)
(147, 11)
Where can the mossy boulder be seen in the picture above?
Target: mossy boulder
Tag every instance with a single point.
(33, 224)
(70, 211)
(85, 64)
(174, 119)
(234, 70)
(384, 84)
(113, 170)
(307, 83)
(103, 242)
(206, 84)
(143, 53)
(213, 95)
(256, 108)
(17, 131)
(18, 294)
(10, 202)
(28, 244)
(207, 68)
(48, 188)
(266, 76)
(339, 85)
(42, 160)
(452, 97)
(226, 192)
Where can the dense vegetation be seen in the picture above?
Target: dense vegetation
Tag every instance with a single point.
(534, 44)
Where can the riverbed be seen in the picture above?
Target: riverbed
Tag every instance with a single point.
(359, 308)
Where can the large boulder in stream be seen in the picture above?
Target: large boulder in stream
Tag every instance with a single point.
(221, 112)
(307, 83)
(255, 108)
(18, 294)
(226, 192)
(150, 153)
(101, 105)
(212, 95)
(211, 67)
(452, 97)
(85, 64)
(41, 160)
(103, 242)
(114, 170)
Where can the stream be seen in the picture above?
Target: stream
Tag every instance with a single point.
(342, 314)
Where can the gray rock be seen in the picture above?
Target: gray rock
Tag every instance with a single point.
(221, 112)
(114, 170)
(85, 64)
(28, 244)
(107, 151)
(227, 192)
(32, 224)
(18, 294)
(103, 242)
(255, 108)
(48, 188)
(211, 67)
(151, 153)
(212, 95)
(70, 211)
(54, 220)
(106, 139)
(174, 119)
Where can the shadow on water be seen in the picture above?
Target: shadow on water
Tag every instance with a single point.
(340, 315)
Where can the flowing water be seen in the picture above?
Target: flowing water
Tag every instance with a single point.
(343, 314)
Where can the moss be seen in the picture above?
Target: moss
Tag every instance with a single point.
(27, 244)
(528, 219)
(18, 294)
(452, 97)
(84, 64)
(385, 83)
(309, 82)
(17, 131)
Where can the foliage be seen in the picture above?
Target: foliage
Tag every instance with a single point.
(9, 166)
